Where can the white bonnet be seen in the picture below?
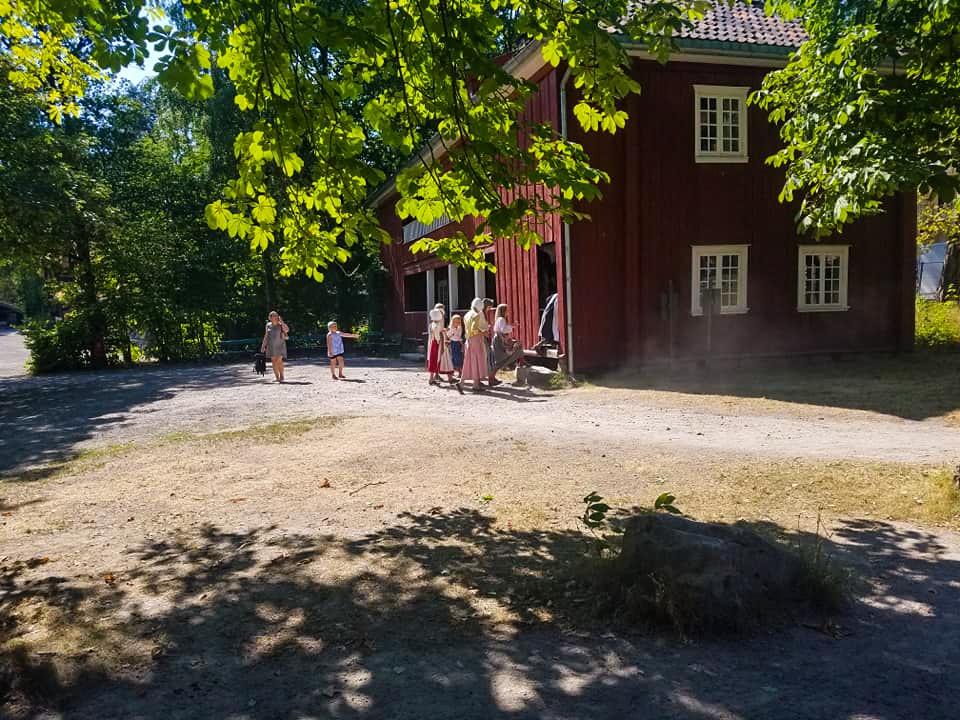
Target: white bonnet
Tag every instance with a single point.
(436, 314)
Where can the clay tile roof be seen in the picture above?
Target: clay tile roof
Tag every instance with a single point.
(745, 23)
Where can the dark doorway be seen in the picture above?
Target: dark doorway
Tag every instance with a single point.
(441, 287)
(415, 292)
(546, 273)
(466, 289)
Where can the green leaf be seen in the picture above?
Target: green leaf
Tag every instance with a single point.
(217, 215)
(264, 211)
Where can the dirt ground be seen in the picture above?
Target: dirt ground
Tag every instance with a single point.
(200, 543)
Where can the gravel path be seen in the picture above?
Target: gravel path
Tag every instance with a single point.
(57, 416)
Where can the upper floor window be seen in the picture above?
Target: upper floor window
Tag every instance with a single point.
(721, 122)
(722, 268)
(822, 278)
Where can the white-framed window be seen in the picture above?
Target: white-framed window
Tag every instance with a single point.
(720, 118)
(822, 273)
(720, 267)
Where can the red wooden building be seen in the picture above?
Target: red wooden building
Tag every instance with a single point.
(691, 206)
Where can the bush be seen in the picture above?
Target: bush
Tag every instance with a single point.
(938, 324)
(55, 347)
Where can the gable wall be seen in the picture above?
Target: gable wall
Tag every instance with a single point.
(660, 202)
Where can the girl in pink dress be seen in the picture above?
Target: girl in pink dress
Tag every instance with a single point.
(475, 354)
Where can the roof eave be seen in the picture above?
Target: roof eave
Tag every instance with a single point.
(694, 46)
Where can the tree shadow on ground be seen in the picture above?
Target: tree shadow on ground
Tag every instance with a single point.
(43, 419)
(913, 387)
(446, 615)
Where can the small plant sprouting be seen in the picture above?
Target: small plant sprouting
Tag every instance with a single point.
(665, 502)
(594, 519)
(595, 512)
(486, 499)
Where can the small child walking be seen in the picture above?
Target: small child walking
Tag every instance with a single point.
(455, 338)
(335, 348)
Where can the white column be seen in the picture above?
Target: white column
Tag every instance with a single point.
(452, 289)
(431, 286)
(479, 284)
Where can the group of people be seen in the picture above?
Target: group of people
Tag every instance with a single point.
(469, 350)
(274, 346)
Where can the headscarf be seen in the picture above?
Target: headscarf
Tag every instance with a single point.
(477, 305)
(436, 315)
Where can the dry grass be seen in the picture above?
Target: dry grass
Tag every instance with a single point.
(785, 491)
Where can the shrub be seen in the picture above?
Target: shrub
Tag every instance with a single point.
(55, 347)
(938, 324)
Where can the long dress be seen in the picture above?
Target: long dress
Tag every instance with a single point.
(475, 352)
(433, 354)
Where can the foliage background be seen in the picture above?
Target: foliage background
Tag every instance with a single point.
(102, 229)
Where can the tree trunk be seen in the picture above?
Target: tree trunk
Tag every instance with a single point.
(127, 349)
(201, 338)
(88, 292)
(951, 272)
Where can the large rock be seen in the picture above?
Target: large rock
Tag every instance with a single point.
(703, 575)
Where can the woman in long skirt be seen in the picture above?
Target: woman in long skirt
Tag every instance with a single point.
(475, 353)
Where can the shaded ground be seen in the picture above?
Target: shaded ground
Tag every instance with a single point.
(208, 545)
(913, 387)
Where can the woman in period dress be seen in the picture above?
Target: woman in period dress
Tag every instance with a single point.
(475, 328)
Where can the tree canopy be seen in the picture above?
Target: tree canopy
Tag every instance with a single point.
(867, 107)
(323, 80)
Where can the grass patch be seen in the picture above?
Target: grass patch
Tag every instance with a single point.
(844, 488)
(274, 432)
(94, 457)
(827, 585)
(785, 491)
(938, 324)
(177, 437)
(104, 452)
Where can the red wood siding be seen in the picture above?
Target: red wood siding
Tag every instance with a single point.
(516, 276)
(400, 263)
(660, 202)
